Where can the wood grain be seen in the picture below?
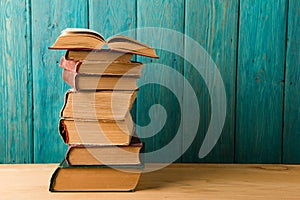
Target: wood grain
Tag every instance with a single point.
(166, 14)
(260, 81)
(49, 18)
(213, 24)
(291, 135)
(112, 17)
(207, 181)
(257, 58)
(16, 82)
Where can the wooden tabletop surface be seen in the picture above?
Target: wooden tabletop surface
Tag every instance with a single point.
(177, 181)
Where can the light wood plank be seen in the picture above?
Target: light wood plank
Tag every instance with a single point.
(164, 14)
(49, 19)
(213, 24)
(16, 83)
(177, 181)
(260, 81)
(291, 137)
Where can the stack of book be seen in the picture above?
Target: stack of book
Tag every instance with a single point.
(95, 120)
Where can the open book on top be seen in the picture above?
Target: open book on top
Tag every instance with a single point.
(86, 39)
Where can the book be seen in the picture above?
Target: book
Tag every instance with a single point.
(99, 82)
(105, 154)
(98, 55)
(102, 67)
(104, 105)
(80, 39)
(96, 132)
(94, 178)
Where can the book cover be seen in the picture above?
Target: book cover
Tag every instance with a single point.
(79, 154)
(96, 132)
(104, 105)
(94, 178)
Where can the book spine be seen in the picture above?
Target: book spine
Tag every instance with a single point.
(70, 65)
(67, 55)
(68, 155)
(70, 78)
(52, 180)
(132, 99)
(65, 103)
(63, 131)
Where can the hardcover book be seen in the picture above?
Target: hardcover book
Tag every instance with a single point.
(80, 38)
(96, 132)
(98, 55)
(94, 178)
(105, 154)
(104, 151)
(105, 105)
(102, 67)
(99, 82)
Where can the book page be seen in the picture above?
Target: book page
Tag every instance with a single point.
(121, 38)
(81, 30)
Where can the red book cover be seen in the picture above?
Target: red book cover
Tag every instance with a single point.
(70, 65)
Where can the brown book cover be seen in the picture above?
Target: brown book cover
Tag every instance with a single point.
(99, 82)
(96, 132)
(103, 105)
(87, 39)
(94, 178)
(98, 55)
(80, 154)
(102, 67)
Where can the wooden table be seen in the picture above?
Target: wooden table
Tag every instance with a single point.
(177, 181)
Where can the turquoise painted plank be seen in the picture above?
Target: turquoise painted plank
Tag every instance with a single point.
(213, 24)
(49, 18)
(291, 137)
(260, 81)
(112, 17)
(158, 126)
(16, 114)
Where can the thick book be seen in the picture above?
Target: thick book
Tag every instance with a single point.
(98, 55)
(102, 105)
(80, 38)
(105, 154)
(99, 82)
(96, 132)
(102, 67)
(94, 178)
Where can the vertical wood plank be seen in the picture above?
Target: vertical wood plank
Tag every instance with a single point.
(213, 24)
(16, 83)
(110, 17)
(291, 139)
(165, 14)
(260, 78)
(49, 18)
(259, 106)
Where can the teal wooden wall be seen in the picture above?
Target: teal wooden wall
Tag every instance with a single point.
(255, 45)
